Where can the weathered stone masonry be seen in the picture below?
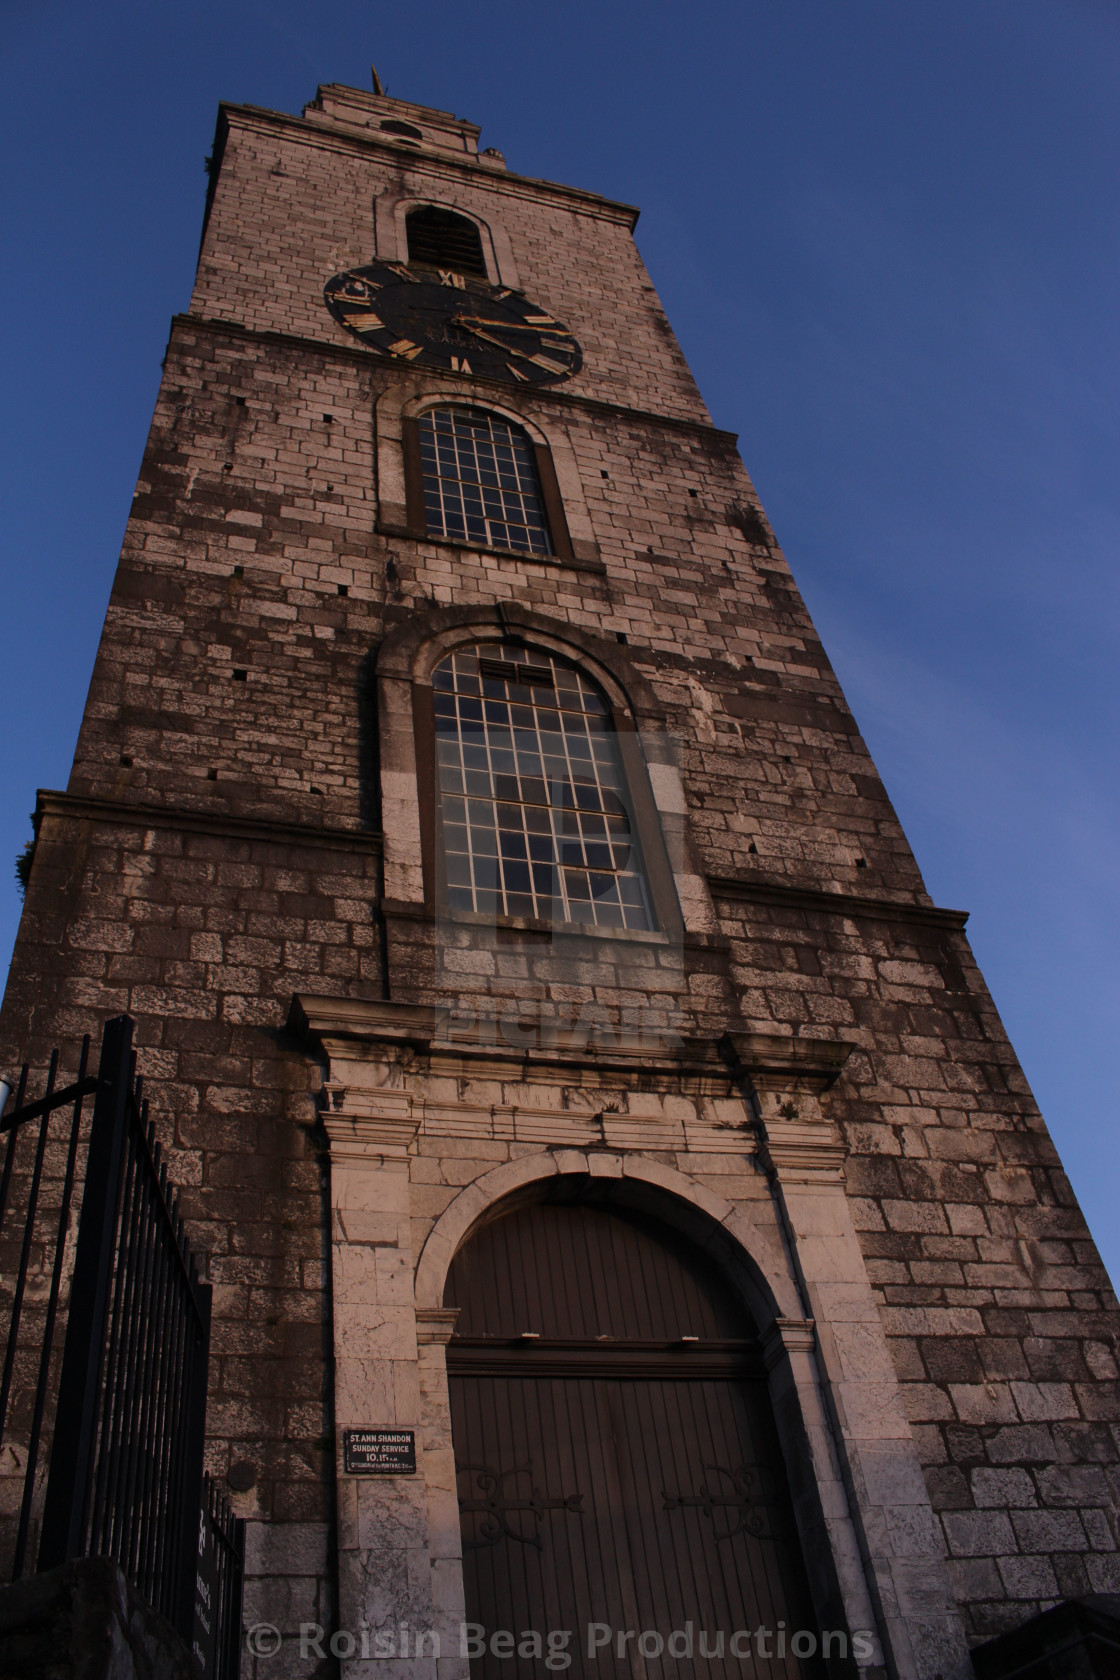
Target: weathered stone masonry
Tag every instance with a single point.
(232, 836)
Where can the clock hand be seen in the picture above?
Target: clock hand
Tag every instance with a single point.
(503, 326)
(509, 349)
(476, 332)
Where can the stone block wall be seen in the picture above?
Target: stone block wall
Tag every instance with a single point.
(294, 203)
(235, 675)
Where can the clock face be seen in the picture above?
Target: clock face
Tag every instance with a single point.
(453, 324)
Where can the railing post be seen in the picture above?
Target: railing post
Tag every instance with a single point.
(193, 1457)
(79, 1391)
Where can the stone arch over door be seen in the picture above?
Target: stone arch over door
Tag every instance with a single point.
(749, 1260)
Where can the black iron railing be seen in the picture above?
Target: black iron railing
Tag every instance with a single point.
(46, 1225)
(123, 1476)
(226, 1570)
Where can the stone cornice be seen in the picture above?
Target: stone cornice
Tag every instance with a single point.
(331, 138)
(785, 1336)
(48, 802)
(756, 891)
(383, 104)
(713, 435)
(435, 1326)
(787, 1076)
(345, 1026)
(779, 1061)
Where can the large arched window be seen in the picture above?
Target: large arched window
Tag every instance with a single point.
(444, 239)
(534, 811)
(481, 482)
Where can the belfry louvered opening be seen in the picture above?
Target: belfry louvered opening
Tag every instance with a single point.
(481, 482)
(534, 811)
(444, 239)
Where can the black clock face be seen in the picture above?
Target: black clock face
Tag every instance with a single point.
(453, 324)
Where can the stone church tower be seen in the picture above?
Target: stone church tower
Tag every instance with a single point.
(625, 1212)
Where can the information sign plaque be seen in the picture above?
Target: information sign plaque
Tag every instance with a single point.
(379, 1452)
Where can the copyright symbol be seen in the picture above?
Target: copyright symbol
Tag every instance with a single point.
(263, 1640)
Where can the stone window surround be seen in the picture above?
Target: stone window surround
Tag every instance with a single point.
(405, 662)
(390, 234)
(400, 509)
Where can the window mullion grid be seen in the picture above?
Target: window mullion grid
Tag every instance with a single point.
(463, 771)
(557, 872)
(500, 862)
(601, 772)
(479, 469)
(471, 456)
(575, 809)
(444, 485)
(473, 872)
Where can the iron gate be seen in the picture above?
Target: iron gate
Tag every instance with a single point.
(123, 1474)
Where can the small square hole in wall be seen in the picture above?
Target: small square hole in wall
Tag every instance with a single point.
(620, 636)
(211, 775)
(344, 589)
(126, 761)
(603, 473)
(328, 418)
(861, 863)
(240, 676)
(240, 401)
(239, 571)
(693, 493)
(753, 849)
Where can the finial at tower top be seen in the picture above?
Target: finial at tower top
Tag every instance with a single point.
(377, 87)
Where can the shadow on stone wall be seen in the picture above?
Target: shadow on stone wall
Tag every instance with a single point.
(84, 1622)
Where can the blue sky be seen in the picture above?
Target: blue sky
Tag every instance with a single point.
(886, 234)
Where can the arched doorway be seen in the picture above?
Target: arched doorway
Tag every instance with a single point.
(619, 1473)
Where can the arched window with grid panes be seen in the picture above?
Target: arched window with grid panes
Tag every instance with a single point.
(476, 477)
(534, 814)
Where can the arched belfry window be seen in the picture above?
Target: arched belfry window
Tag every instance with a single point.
(481, 482)
(402, 130)
(534, 811)
(440, 238)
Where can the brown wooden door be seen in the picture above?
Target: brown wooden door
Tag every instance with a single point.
(616, 1454)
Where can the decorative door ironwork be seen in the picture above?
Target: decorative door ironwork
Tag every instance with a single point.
(499, 1502)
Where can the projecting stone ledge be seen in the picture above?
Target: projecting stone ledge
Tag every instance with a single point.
(83, 1621)
(1077, 1640)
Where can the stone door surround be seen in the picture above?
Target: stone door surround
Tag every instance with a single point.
(731, 1141)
